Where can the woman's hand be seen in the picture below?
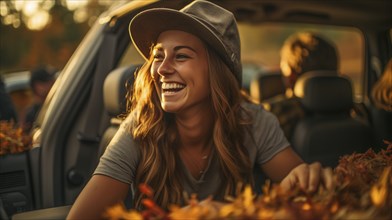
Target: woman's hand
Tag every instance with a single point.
(309, 177)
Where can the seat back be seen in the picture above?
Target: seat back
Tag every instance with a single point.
(269, 89)
(114, 98)
(328, 131)
(266, 86)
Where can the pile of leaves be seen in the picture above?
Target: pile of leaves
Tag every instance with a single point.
(13, 139)
(363, 191)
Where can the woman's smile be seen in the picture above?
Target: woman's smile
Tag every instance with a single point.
(171, 88)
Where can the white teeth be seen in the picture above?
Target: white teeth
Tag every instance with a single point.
(172, 86)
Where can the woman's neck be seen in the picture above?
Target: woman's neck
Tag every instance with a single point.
(195, 130)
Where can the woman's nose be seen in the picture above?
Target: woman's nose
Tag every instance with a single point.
(165, 67)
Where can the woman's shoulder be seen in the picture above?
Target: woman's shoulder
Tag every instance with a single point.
(260, 120)
(256, 111)
(264, 134)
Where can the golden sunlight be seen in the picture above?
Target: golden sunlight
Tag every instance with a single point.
(80, 15)
(30, 7)
(74, 4)
(3, 9)
(34, 13)
(38, 20)
(37, 14)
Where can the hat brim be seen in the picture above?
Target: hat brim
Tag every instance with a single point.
(144, 29)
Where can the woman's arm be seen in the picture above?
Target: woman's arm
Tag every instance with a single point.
(100, 193)
(281, 164)
(289, 169)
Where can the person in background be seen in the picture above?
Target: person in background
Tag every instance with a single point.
(304, 52)
(382, 89)
(381, 95)
(189, 129)
(301, 52)
(41, 81)
(7, 110)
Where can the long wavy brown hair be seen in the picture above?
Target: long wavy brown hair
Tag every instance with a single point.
(156, 133)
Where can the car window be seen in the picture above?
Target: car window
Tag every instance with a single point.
(261, 43)
(130, 57)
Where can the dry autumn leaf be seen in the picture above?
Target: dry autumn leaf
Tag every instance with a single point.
(12, 139)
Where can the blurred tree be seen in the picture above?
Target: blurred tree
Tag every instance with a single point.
(43, 32)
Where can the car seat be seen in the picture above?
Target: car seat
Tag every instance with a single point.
(269, 89)
(114, 98)
(328, 131)
(266, 86)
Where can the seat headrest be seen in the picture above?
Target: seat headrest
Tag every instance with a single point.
(266, 86)
(114, 89)
(324, 92)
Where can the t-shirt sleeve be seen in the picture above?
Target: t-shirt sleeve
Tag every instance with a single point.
(120, 158)
(268, 135)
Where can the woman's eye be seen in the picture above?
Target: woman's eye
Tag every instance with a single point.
(182, 56)
(158, 57)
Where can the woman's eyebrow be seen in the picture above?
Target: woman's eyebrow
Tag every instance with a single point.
(182, 47)
(159, 47)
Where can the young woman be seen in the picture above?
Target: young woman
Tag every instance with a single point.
(190, 129)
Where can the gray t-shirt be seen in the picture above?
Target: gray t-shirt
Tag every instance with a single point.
(264, 140)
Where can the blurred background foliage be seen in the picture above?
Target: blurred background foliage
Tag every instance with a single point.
(44, 32)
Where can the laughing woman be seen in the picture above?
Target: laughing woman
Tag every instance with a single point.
(190, 129)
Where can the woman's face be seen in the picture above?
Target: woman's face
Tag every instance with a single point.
(180, 70)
